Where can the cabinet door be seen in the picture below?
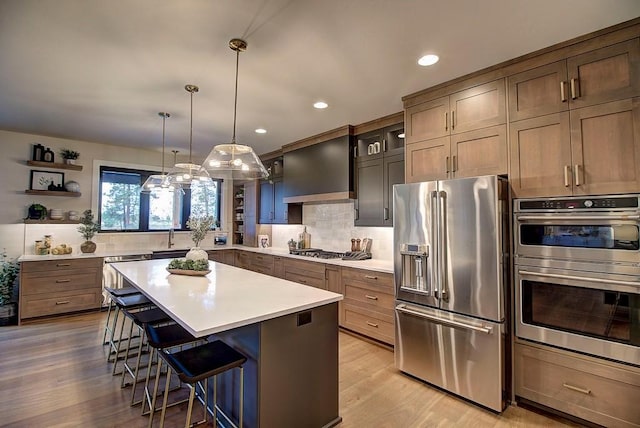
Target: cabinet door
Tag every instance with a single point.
(427, 160)
(279, 207)
(393, 167)
(266, 213)
(480, 152)
(540, 158)
(478, 107)
(542, 90)
(607, 74)
(369, 178)
(605, 144)
(427, 120)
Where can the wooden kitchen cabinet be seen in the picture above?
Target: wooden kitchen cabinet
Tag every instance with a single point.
(273, 210)
(256, 262)
(596, 390)
(222, 256)
(52, 287)
(333, 278)
(368, 306)
(591, 150)
(460, 135)
(278, 266)
(304, 272)
(379, 165)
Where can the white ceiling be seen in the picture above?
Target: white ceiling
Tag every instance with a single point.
(96, 70)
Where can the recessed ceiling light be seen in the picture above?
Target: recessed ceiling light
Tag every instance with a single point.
(261, 131)
(428, 60)
(320, 104)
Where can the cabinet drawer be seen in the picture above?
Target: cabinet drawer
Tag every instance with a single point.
(33, 283)
(312, 281)
(36, 306)
(368, 298)
(369, 323)
(601, 392)
(382, 282)
(305, 268)
(62, 264)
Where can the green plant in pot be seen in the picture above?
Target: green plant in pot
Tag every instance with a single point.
(199, 226)
(8, 273)
(88, 229)
(69, 156)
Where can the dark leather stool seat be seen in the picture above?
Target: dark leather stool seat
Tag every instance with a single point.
(199, 363)
(113, 293)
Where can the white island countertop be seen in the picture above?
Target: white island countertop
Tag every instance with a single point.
(226, 298)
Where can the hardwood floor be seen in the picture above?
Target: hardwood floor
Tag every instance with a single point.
(53, 374)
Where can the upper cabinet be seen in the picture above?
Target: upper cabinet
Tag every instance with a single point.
(575, 124)
(273, 210)
(462, 134)
(379, 165)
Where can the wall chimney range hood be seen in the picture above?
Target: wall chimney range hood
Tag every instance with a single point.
(320, 168)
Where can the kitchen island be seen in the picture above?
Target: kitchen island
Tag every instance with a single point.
(288, 331)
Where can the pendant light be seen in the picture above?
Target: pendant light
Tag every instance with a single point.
(238, 159)
(159, 182)
(186, 173)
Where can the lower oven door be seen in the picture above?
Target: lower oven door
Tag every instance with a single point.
(458, 353)
(585, 311)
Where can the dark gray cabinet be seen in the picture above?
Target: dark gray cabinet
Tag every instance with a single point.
(379, 165)
(273, 210)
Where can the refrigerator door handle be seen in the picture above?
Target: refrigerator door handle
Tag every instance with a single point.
(435, 253)
(444, 321)
(442, 247)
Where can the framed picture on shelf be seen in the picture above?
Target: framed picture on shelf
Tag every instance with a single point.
(43, 180)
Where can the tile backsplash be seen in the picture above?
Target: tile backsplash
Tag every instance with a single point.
(331, 228)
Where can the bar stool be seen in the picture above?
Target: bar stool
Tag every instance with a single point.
(154, 316)
(113, 293)
(129, 303)
(161, 337)
(199, 363)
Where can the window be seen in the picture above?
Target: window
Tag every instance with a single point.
(124, 208)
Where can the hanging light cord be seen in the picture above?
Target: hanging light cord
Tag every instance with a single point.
(235, 103)
(164, 119)
(191, 128)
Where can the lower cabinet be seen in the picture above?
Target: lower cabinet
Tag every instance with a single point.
(222, 256)
(599, 391)
(307, 273)
(261, 263)
(368, 306)
(52, 287)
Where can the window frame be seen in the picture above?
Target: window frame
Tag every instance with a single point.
(143, 226)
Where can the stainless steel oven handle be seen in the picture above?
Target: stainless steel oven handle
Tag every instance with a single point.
(580, 278)
(451, 323)
(576, 217)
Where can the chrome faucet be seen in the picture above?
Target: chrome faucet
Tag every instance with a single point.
(171, 235)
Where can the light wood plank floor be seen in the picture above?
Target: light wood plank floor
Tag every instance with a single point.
(54, 374)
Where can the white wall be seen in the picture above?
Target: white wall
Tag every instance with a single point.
(18, 238)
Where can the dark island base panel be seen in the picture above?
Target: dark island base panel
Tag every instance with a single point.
(292, 366)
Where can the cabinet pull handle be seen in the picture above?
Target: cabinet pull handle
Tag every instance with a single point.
(576, 172)
(574, 89)
(63, 264)
(455, 163)
(577, 389)
(60, 281)
(368, 296)
(385, 213)
(371, 277)
(357, 213)
(446, 120)
(453, 120)
(567, 172)
(372, 324)
(303, 281)
(63, 302)
(563, 95)
(271, 215)
(446, 165)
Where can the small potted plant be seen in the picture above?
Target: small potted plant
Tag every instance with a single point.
(69, 156)
(199, 226)
(88, 229)
(8, 273)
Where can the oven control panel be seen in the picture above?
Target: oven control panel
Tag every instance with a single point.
(579, 203)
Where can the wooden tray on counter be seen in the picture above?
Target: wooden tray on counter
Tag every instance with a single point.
(189, 272)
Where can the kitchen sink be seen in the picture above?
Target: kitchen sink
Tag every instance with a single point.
(168, 254)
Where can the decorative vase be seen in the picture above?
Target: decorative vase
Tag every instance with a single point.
(197, 253)
(88, 247)
(70, 161)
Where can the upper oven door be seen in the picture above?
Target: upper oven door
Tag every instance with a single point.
(580, 236)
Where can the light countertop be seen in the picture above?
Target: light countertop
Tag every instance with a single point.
(226, 298)
(377, 265)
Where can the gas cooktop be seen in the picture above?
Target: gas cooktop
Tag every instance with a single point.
(318, 253)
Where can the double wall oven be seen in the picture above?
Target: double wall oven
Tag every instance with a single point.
(577, 274)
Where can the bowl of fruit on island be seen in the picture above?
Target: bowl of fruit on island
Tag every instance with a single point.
(189, 267)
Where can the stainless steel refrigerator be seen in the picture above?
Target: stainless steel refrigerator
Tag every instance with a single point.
(450, 267)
